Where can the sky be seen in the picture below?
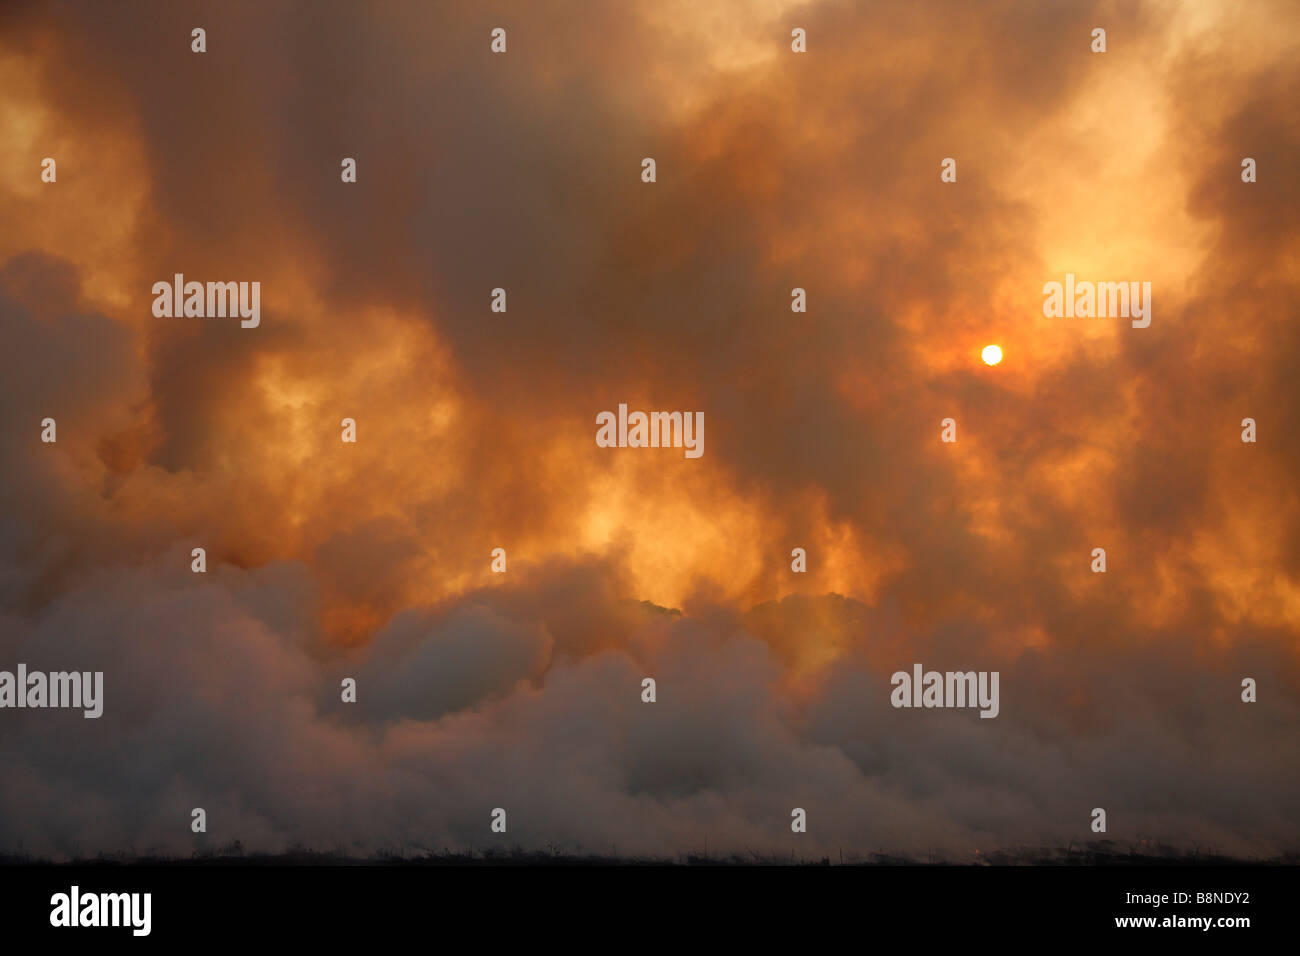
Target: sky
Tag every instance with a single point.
(476, 429)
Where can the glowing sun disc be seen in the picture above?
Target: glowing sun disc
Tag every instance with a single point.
(992, 355)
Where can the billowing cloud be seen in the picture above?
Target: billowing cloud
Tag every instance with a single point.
(475, 428)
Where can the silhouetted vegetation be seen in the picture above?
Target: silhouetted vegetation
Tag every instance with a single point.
(1096, 853)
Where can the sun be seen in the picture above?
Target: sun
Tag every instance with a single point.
(992, 354)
